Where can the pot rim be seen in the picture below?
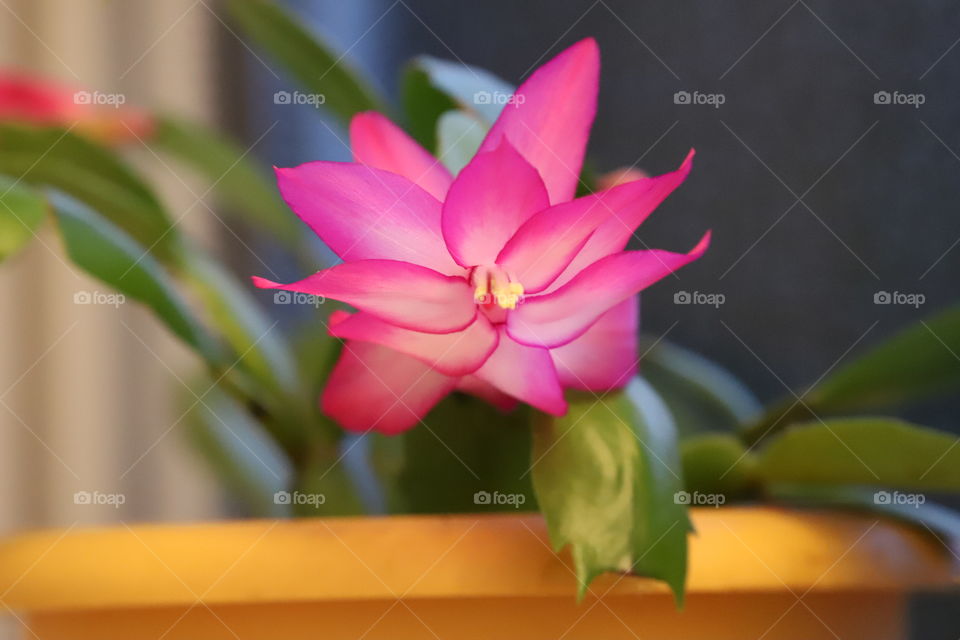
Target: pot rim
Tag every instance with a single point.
(735, 549)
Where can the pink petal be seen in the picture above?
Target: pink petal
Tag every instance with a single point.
(337, 316)
(454, 354)
(28, 98)
(487, 392)
(554, 319)
(404, 294)
(526, 373)
(379, 143)
(375, 388)
(613, 235)
(605, 356)
(547, 242)
(549, 119)
(489, 200)
(363, 213)
(35, 100)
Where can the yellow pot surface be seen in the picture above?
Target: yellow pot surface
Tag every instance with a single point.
(753, 571)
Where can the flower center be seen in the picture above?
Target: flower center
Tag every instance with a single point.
(493, 285)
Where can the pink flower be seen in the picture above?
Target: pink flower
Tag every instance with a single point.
(28, 99)
(494, 282)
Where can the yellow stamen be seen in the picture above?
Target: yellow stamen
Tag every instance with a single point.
(508, 294)
(494, 280)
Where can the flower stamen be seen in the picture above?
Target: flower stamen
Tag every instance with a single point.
(494, 285)
(506, 294)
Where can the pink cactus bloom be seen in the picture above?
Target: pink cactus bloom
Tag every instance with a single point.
(29, 99)
(495, 282)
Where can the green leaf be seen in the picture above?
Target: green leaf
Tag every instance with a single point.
(464, 449)
(472, 88)
(921, 361)
(386, 461)
(108, 254)
(232, 310)
(702, 395)
(588, 179)
(90, 173)
(719, 464)
(423, 105)
(310, 62)
(459, 134)
(242, 457)
(317, 353)
(324, 474)
(21, 214)
(879, 452)
(231, 172)
(607, 475)
(931, 517)
(253, 467)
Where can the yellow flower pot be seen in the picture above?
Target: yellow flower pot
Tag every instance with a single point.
(754, 572)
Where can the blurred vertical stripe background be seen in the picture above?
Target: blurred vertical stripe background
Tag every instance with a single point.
(87, 398)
